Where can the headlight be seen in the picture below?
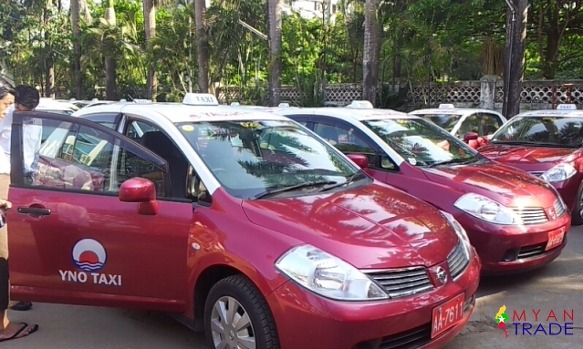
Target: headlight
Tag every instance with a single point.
(558, 173)
(487, 209)
(459, 230)
(328, 275)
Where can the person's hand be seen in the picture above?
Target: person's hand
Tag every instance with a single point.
(5, 204)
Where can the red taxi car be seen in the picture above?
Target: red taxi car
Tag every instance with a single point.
(548, 144)
(243, 222)
(516, 222)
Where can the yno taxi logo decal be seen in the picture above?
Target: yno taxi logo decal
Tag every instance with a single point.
(89, 257)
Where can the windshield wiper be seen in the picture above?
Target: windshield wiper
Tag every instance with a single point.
(349, 179)
(271, 192)
(454, 161)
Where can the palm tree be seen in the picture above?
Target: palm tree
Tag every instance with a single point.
(110, 63)
(150, 31)
(275, 23)
(202, 51)
(372, 47)
(75, 19)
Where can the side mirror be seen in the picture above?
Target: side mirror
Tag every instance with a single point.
(359, 159)
(143, 192)
(470, 136)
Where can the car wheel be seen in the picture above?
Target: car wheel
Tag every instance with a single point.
(577, 213)
(237, 316)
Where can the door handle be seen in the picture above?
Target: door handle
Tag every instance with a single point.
(34, 211)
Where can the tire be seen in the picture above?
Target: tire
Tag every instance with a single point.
(577, 213)
(239, 293)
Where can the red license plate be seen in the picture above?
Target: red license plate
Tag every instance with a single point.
(555, 238)
(447, 315)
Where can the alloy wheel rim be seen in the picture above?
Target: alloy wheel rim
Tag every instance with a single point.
(581, 206)
(231, 326)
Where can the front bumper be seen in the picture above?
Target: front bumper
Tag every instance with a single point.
(306, 320)
(506, 249)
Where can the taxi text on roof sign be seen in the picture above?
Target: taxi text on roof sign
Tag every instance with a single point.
(200, 99)
(566, 107)
(446, 106)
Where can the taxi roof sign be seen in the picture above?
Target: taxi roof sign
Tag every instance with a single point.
(566, 107)
(361, 105)
(200, 99)
(446, 106)
(283, 105)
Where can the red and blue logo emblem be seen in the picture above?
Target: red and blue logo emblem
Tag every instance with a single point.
(89, 255)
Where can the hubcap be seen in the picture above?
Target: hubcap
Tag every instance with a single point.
(231, 326)
(581, 206)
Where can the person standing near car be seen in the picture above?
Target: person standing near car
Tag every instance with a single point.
(27, 99)
(8, 330)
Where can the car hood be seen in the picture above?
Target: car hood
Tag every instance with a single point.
(374, 226)
(526, 156)
(505, 184)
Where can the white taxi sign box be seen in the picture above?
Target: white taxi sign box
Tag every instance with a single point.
(566, 107)
(361, 105)
(283, 105)
(200, 99)
(446, 106)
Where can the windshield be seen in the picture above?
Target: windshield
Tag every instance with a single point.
(446, 121)
(254, 158)
(544, 131)
(420, 142)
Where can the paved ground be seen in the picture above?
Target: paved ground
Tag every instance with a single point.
(557, 286)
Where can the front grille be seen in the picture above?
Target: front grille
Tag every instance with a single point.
(402, 282)
(531, 215)
(560, 208)
(411, 339)
(457, 260)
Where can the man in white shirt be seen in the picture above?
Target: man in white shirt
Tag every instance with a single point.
(27, 98)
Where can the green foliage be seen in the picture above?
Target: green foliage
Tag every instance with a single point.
(423, 41)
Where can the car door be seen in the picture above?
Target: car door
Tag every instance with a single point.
(71, 239)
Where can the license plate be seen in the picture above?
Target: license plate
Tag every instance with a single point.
(447, 315)
(555, 238)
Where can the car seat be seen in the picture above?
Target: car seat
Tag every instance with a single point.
(161, 144)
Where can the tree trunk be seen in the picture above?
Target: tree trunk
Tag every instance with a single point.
(516, 19)
(49, 61)
(274, 8)
(110, 64)
(150, 30)
(75, 19)
(550, 64)
(372, 48)
(202, 51)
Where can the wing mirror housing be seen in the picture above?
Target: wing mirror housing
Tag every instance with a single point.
(359, 159)
(143, 192)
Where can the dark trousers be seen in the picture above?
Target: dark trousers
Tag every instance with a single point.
(4, 287)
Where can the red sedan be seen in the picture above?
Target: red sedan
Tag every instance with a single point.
(549, 145)
(242, 222)
(515, 221)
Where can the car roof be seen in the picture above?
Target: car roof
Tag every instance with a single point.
(452, 110)
(552, 112)
(346, 113)
(182, 112)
